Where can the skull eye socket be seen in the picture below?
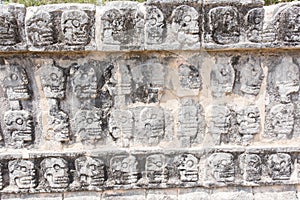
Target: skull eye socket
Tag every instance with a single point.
(14, 77)
(84, 76)
(56, 167)
(53, 76)
(251, 115)
(187, 18)
(23, 169)
(75, 23)
(159, 164)
(19, 121)
(190, 163)
(92, 166)
(89, 120)
(124, 165)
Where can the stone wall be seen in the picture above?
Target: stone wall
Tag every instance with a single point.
(161, 100)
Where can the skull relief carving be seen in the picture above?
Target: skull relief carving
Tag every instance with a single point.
(84, 82)
(185, 24)
(153, 124)
(55, 173)
(121, 126)
(187, 166)
(22, 174)
(286, 78)
(90, 172)
(53, 81)
(250, 165)
(225, 27)
(255, 23)
(124, 170)
(9, 34)
(58, 122)
(280, 166)
(290, 24)
(154, 25)
(250, 76)
(88, 125)
(190, 77)
(16, 83)
(156, 168)
(282, 119)
(40, 29)
(75, 26)
(222, 167)
(19, 127)
(222, 77)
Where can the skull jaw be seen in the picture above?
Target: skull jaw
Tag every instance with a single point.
(25, 182)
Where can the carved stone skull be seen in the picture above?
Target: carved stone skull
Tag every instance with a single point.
(88, 125)
(90, 171)
(53, 81)
(75, 26)
(84, 82)
(58, 129)
(16, 83)
(251, 76)
(121, 125)
(185, 24)
(187, 166)
(250, 165)
(156, 168)
(255, 23)
(190, 77)
(222, 77)
(248, 120)
(55, 172)
(154, 25)
(218, 117)
(124, 169)
(19, 126)
(280, 166)
(290, 24)
(22, 174)
(40, 29)
(224, 22)
(286, 78)
(153, 122)
(282, 119)
(8, 29)
(222, 167)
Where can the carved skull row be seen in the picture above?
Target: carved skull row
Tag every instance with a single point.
(91, 172)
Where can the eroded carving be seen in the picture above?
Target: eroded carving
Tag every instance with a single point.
(123, 170)
(19, 128)
(84, 82)
(156, 169)
(55, 174)
(190, 77)
(285, 78)
(249, 76)
(9, 34)
(185, 24)
(222, 77)
(187, 167)
(155, 30)
(218, 118)
(224, 25)
(90, 172)
(22, 174)
(121, 126)
(221, 167)
(87, 124)
(190, 122)
(255, 24)
(152, 124)
(16, 83)
(280, 166)
(75, 26)
(248, 121)
(53, 81)
(40, 29)
(122, 26)
(250, 166)
(289, 24)
(280, 121)
(58, 125)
